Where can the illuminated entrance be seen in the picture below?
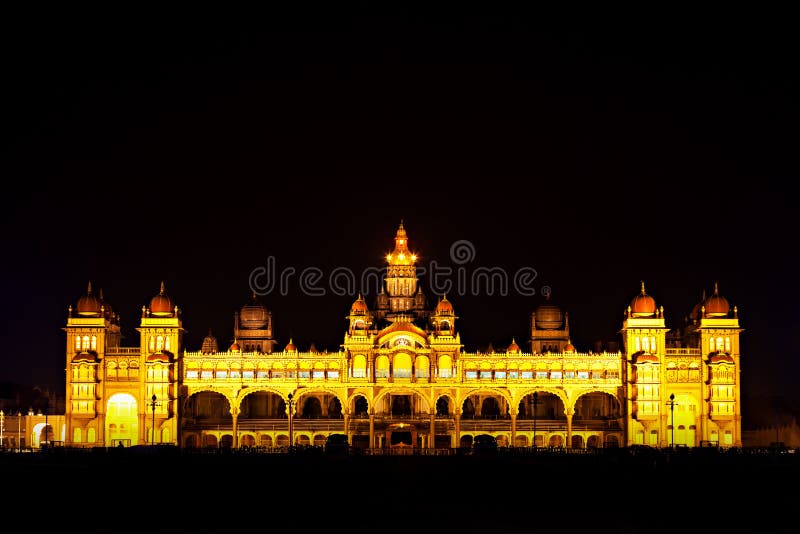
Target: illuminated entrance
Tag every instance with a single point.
(122, 421)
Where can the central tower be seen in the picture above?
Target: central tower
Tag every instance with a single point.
(403, 300)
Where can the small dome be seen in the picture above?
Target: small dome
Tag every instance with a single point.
(161, 356)
(235, 347)
(445, 307)
(254, 315)
(359, 307)
(569, 347)
(643, 305)
(89, 357)
(291, 347)
(88, 304)
(549, 316)
(209, 344)
(513, 347)
(716, 305)
(161, 305)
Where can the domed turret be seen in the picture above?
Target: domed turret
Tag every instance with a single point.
(88, 305)
(161, 305)
(569, 347)
(359, 307)
(235, 347)
(643, 305)
(549, 316)
(716, 305)
(290, 347)
(513, 347)
(444, 307)
(209, 344)
(254, 315)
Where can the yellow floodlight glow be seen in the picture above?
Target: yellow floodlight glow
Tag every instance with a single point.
(402, 256)
(388, 257)
(413, 257)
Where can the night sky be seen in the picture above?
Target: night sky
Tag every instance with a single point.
(192, 152)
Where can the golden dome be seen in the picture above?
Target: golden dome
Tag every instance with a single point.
(643, 305)
(569, 347)
(643, 357)
(88, 304)
(291, 347)
(513, 347)
(444, 307)
(161, 305)
(716, 305)
(235, 347)
(401, 254)
(209, 344)
(549, 316)
(253, 315)
(721, 358)
(359, 307)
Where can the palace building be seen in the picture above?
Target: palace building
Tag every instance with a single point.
(401, 378)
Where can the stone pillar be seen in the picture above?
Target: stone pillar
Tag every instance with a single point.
(371, 431)
(347, 427)
(513, 430)
(235, 429)
(432, 433)
(568, 444)
(457, 434)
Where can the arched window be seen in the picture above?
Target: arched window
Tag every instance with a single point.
(77, 435)
(77, 342)
(86, 343)
(159, 343)
(638, 344)
(359, 366)
(152, 344)
(94, 343)
(646, 344)
(727, 344)
(167, 344)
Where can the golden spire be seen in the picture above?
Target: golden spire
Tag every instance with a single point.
(89, 289)
(643, 293)
(162, 288)
(716, 288)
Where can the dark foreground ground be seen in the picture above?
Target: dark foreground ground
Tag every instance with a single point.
(144, 490)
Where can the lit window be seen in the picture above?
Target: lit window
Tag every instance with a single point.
(94, 342)
(727, 344)
(500, 375)
(167, 344)
(85, 342)
(445, 372)
(422, 372)
(319, 374)
(569, 374)
(303, 374)
(247, 374)
(235, 374)
(262, 374)
(646, 344)
(77, 342)
(583, 374)
(513, 375)
(527, 375)
(152, 344)
(540, 375)
(555, 375)
(207, 374)
(191, 374)
(159, 343)
(333, 374)
(486, 375)
(222, 374)
(711, 344)
(471, 375)
(638, 344)
(359, 372)
(653, 344)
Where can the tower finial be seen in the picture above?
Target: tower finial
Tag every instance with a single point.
(89, 288)
(162, 288)
(101, 294)
(642, 287)
(716, 288)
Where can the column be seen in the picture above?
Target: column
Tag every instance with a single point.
(457, 436)
(568, 444)
(235, 429)
(513, 429)
(347, 427)
(371, 431)
(432, 433)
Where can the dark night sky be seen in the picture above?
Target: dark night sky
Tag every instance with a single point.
(192, 151)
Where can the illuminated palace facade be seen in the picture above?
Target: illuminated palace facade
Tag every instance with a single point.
(401, 378)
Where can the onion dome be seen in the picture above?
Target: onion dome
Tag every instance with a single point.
(209, 344)
(359, 307)
(643, 357)
(291, 347)
(643, 305)
(161, 305)
(720, 357)
(88, 304)
(548, 316)
(253, 315)
(87, 357)
(444, 307)
(235, 347)
(513, 347)
(716, 305)
(569, 347)
(160, 357)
